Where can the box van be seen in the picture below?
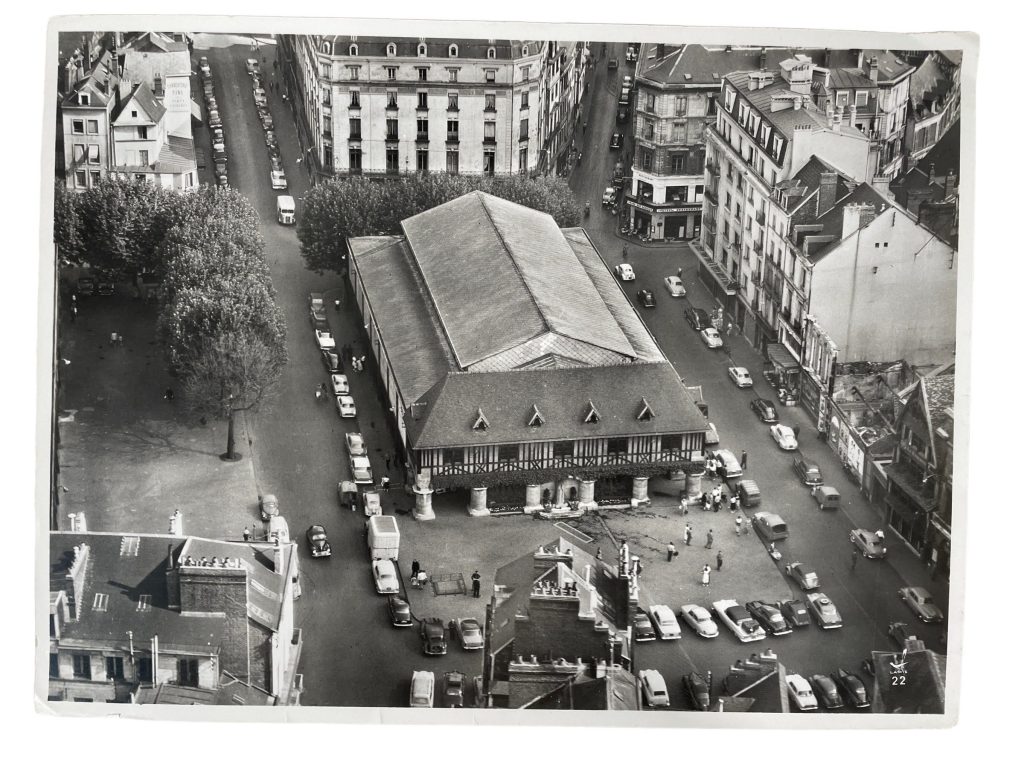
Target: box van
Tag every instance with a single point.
(750, 494)
(285, 209)
(421, 690)
(826, 496)
(770, 526)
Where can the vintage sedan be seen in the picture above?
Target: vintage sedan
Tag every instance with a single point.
(625, 272)
(452, 687)
(711, 338)
(252, 66)
(339, 384)
(769, 617)
(654, 688)
(360, 468)
(696, 689)
(825, 691)
(643, 630)
(354, 443)
(468, 632)
(371, 504)
(808, 471)
(824, 611)
(665, 622)
(399, 611)
(739, 622)
(869, 543)
(800, 693)
(278, 180)
(675, 286)
(616, 142)
(921, 602)
(697, 318)
(795, 613)
(316, 536)
(385, 577)
(783, 436)
(851, 688)
(646, 298)
(324, 339)
(267, 122)
(740, 377)
(764, 410)
(804, 575)
(699, 619)
(346, 407)
(608, 198)
(728, 466)
(433, 637)
(268, 506)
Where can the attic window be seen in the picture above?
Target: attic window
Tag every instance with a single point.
(453, 51)
(130, 546)
(83, 99)
(392, 49)
(536, 419)
(526, 50)
(421, 50)
(491, 53)
(353, 50)
(326, 47)
(100, 601)
(646, 414)
(592, 416)
(730, 98)
(481, 422)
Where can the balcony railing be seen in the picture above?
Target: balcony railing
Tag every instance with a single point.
(391, 137)
(758, 246)
(422, 138)
(711, 195)
(453, 137)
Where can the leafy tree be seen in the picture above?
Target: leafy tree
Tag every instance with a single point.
(67, 226)
(233, 371)
(359, 206)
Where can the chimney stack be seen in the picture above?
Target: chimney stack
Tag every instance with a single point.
(951, 182)
(856, 216)
(851, 110)
(762, 61)
(827, 187)
(931, 173)
(837, 121)
(828, 57)
(873, 71)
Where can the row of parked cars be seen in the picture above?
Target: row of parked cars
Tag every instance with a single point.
(215, 123)
(259, 97)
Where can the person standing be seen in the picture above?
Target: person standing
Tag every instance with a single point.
(718, 561)
(387, 461)
(705, 576)
(672, 551)
(687, 534)
(853, 560)
(415, 568)
(743, 460)
(796, 431)
(74, 312)
(711, 539)
(739, 524)
(476, 583)
(246, 535)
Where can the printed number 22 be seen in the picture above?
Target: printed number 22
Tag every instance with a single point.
(899, 680)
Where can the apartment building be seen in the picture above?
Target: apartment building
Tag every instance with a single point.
(934, 102)
(390, 106)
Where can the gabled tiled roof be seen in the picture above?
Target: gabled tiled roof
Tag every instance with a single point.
(177, 156)
(928, 83)
(156, 42)
(143, 97)
(500, 274)
(938, 394)
(808, 179)
(831, 221)
(890, 65)
(563, 395)
(100, 83)
(846, 77)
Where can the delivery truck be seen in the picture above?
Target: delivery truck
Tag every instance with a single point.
(382, 537)
(285, 209)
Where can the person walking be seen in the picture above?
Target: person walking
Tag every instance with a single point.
(672, 551)
(705, 576)
(743, 460)
(246, 535)
(687, 534)
(707, 502)
(415, 568)
(739, 524)
(476, 583)
(711, 539)
(853, 560)
(718, 561)
(387, 461)
(796, 431)
(74, 312)
(734, 503)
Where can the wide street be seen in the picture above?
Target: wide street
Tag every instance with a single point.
(351, 655)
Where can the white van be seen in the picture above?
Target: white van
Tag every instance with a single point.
(421, 690)
(285, 209)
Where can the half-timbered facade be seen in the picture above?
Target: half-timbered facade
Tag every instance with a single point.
(512, 360)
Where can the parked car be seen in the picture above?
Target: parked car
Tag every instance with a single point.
(360, 468)
(800, 693)
(675, 286)
(259, 96)
(770, 526)
(267, 122)
(868, 543)
(616, 141)
(654, 688)
(331, 359)
(213, 119)
(220, 168)
(825, 691)
(252, 66)
(711, 338)
(354, 443)
(851, 688)
(697, 318)
(399, 611)
(631, 53)
(750, 494)
(86, 286)
(646, 298)
(901, 635)
(738, 621)
(769, 617)
(740, 377)
(468, 632)
(316, 536)
(643, 630)
(270, 138)
(783, 436)
(698, 619)
(728, 466)
(696, 689)
(764, 410)
(385, 577)
(921, 603)
(104, 288)
(808, 471)
(795, 613)
(432, 636)
(711, 435)
(421, 689)
(268, 506)
(627, 80)
(613, 64)
(276, 164)
(804, 575)
(824, 611)
(664, 622)
(454, 684)
(625, 272)
(339, 384)
(346, 406)
(278, 180)
(324, 339)
(826, 497)
(609, 196)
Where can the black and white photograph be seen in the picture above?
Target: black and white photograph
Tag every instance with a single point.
(612, 375)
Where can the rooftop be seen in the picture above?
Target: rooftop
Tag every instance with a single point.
(694, 64)
(407, 47)
(100, 83)
(939, 394)
(146, 101)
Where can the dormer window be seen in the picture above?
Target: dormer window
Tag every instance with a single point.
(777, 149)
(453, 51)
(421, 50)
(536, 419)
(491, 52)
(730, 99)
(526, 50)
(592, 416)
(481, 424)
(326, 47)
(353, 50)
(83, 99)
(861, 98)
(392, 49)
(645, 414)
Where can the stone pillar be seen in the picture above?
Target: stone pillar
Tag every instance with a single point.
(587, 495)
(532, 499)
(424, 503)
(639, 492)
(175, 524)
(693, 485)
(478, 502)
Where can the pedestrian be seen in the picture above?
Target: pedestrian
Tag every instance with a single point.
(705, 576)
(387, 461)
(598, 553)
(734, 503)
(169, 394)
(74, 312)
(711, 539)
(743, 460)
(355, 363)
(719, 561)
(739, 524)
(679, 273)
(687, 534)
(74, 298)
(672, 551)
(707, 502)
(476, 583)
(415, 568)
(796, 431)
(385, 483)
(337, 305)
(246, 535)
(853, 560)
(625, 253)
(728, 329)
(113, 339)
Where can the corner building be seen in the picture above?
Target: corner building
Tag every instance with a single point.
(514, 366)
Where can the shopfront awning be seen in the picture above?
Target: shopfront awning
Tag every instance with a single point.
(782, 357)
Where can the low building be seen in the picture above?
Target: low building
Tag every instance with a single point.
(149, 618)
(514, 365)
(560, 619)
